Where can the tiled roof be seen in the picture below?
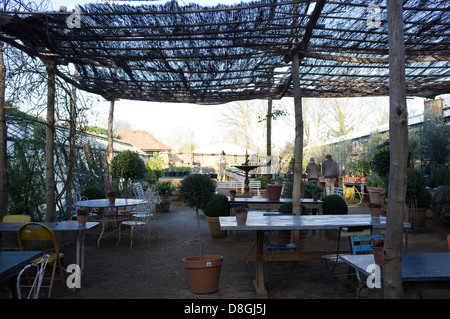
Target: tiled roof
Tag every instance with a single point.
(143, 140)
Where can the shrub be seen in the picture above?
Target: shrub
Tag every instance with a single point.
(334, 205)
(165, 188)
(218, 206)
(92, 192)
(424, 201)
(262, 179)
(197, 190)
(286, 208)
(310, 188)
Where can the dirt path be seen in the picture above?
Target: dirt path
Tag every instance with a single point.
(155, 271)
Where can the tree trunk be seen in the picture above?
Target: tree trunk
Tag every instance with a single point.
(398, 135)
(3, 140)
(50, 215)
(269, 138)
(298, 153)
(71, 159)
(109, 150)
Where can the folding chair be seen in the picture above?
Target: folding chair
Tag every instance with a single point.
(140, 218)
(356, 235)
(10, 239)
(36, 236)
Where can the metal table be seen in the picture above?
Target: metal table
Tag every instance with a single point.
(260, 223)
(65, 226)
(416, 267)
(112, 209)
(12, 262)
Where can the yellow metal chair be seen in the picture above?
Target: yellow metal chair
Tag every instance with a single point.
(10, 239)
(41, 238)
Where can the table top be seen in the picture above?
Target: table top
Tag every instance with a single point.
(415, 266)
(70, 225)
(11, 262)
(258, 220)
(104, 202)
(261, 200)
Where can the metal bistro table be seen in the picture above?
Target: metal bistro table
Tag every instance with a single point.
(307, 202)
(260, 222)
(65, 226)
(418, 269)
(112, 209)
(12, 262)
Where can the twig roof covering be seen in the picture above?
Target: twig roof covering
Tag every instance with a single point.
(211, 55)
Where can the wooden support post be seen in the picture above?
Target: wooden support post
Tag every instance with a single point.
(109, 150)
(398, 136)
(269, 136)
(50, 215)
(298, 153)
(3, 140)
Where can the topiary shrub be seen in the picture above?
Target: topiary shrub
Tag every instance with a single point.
(92, 192)
(334, 205)
(218, 206)
(262, 179)
(286, 208)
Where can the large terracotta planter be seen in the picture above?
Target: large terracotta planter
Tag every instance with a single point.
(164, 206)
(241, 216)
(375, 195)
(378, 255)
(273, 192)
(203, 275)
(418, 217)
(214, 228)
(375, 213)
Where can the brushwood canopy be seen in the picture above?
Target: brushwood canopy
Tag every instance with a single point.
(217, 54)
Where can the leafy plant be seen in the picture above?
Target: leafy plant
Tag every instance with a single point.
(196, 191)
(334, 205)
(310, 188)
(165, 188)
(218, 206)
(424, 200)
(262, 179)
(129, 165)
(92, 192)
(415, 184)
(381, 160)
(374, 180)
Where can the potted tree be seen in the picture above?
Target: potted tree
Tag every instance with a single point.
(377, 244)
(418, 198)
(218, 206)
(374, 188)
(165, 190)
(203, 271)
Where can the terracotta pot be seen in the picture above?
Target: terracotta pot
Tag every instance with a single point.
(378, 255)
(374, 195)
(315, 196)
(164, 206)
(214, 227)
(273, 192)
(82, 220)
(375, 213)
(241, 216)
(203, 275)
(112, 200)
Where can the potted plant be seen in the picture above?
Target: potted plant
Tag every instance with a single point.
(333, 205)
(374, 188)
(82, 215)
(377, 244)
(418, 198)
(274, 190)
(165, 190)
(218, 206)
(312, 190)
(203, 271)
(112, 197)
(375, 211)
(262, 190)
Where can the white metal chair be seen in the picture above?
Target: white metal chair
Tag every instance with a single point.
(358, 236)
(140, 218)
(36, 286)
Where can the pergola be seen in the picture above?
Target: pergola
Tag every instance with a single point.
(266, 49)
